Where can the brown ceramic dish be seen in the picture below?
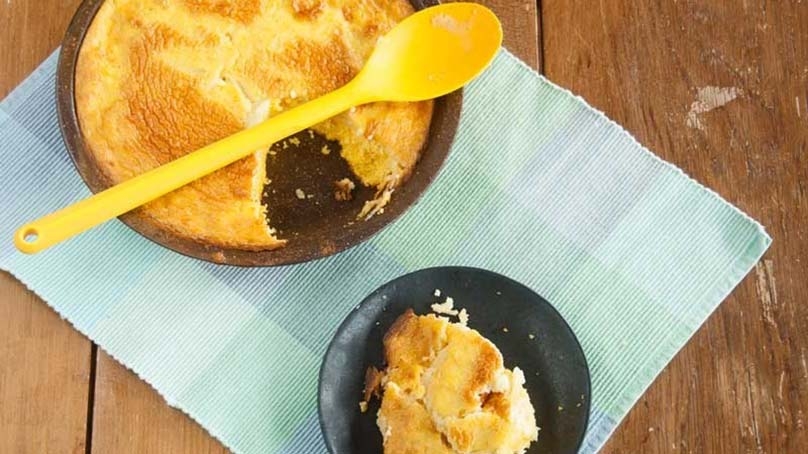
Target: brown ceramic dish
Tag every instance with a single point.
(313, 232)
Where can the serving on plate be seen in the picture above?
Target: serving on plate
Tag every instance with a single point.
(531, 335)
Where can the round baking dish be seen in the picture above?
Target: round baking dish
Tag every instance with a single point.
(312, 233)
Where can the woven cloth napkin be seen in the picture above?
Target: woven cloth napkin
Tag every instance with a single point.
(539, 187)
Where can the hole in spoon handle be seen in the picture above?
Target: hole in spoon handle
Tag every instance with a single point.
(28, 239)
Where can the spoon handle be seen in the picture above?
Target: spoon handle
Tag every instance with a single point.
(117, 200)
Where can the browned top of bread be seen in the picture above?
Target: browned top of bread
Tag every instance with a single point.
(157, 79)
(445, 382)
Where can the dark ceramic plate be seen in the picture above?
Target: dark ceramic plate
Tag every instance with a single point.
(313, 230)
(554, 364)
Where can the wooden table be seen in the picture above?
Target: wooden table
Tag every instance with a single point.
(740, 385)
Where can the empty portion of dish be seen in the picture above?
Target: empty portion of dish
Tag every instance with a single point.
(446, 389)
(157, 79)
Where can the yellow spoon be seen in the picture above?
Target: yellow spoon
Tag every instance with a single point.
(431, 53)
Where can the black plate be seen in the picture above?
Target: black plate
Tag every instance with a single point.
(553, 361)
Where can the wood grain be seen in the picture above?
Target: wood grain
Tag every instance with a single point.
(131, 417)
(520, 25)
(29, 32)
(44, 376)
(44, 363)
(741, 384)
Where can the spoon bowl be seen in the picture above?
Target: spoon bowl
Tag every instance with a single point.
(433, 52)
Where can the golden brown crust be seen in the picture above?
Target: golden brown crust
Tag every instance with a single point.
(243, 11)
(373, 383)
(397, 330)
(407, 427)
(157, 79)
(446, 382)
(465, 370)
(411, 344)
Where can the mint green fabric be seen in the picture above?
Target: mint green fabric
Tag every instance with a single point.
(539, 187)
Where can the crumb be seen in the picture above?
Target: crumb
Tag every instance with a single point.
(272, 152)
(382, 198)
(294, 141)
(352, 110)
(363, 406)
(531, 336)
(300, 194)
(293, 94)
(446, 308)
(378, 323)
(578, 405)
(437, 292)
(560, 408)
(499, 293)
(311, 134)
(464, 317)
(285, 145)
(325, 150)
(344, 190)
(372, 207)
(505, 330)
(267, 181)
(370, 137)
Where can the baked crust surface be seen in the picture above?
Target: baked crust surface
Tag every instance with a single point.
(446, 390)
(157, 79)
